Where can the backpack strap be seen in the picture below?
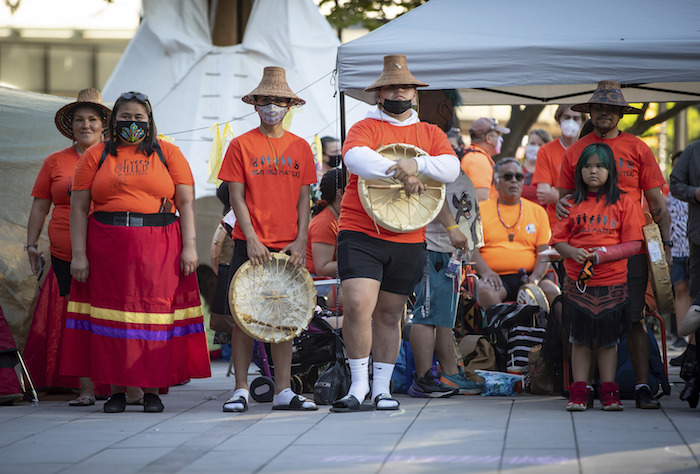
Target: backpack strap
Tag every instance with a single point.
(157, 148)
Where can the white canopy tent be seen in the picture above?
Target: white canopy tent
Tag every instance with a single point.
(515, 52)
(193, 84)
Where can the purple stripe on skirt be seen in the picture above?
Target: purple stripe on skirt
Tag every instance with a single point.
(142, 334)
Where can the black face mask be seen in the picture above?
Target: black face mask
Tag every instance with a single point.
(396, 106)
(334, 160)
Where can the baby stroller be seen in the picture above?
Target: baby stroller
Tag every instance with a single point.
(312, 351)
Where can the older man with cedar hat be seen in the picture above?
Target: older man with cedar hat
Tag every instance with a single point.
(477, 162)
(638, 172)
(379, 268)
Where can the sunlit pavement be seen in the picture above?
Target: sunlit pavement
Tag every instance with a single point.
(527, 433)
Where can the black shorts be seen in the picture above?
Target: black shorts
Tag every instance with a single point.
(61, 269)
(398, 266)
(637, 277)
(511, 283)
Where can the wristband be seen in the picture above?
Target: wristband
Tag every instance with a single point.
(451, 227)
(31, 245)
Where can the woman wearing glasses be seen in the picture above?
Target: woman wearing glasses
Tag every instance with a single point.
(515, 231)
(134, 318)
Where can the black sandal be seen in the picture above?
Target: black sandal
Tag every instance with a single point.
(350, 404)
(238, 399)
(388, 398)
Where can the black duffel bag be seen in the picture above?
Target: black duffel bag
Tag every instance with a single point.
(499, 319)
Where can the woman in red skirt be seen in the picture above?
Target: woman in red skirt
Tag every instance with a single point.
(134, 318)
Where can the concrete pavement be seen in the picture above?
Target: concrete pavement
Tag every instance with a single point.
(522, 434)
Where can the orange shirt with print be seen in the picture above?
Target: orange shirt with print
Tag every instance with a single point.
(132, 181)
(273, 171)
(549, 159)
(54, 183)
(323, 228)
(593, 223)
(500, 254)
(374, 133)
(478, 165)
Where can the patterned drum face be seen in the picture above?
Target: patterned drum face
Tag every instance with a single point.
(531, 294)
(386, 202)
(272, 302)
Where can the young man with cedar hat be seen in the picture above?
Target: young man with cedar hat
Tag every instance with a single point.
(638, 172)
(269, 171)
(380, 268)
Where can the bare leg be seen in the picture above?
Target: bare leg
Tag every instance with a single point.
(580, 362)
(444, 350)
(638, 345)
(386, 327)
(282, 359)
(423, 345)
(607, 363)
(87, 389)
(551, 291)
(242, 353)
(488, 295)
(359, 299)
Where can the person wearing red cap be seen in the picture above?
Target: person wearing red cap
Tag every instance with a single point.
(638, 172)
(477, 162)
(379, 268)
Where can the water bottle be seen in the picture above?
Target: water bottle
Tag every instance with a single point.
(454, 266)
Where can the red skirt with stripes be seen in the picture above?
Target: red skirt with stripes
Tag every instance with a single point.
(137, 320)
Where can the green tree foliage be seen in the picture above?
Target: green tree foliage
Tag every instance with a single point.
(371, 14)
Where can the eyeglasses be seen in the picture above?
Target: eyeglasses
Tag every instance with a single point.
(279, 101)
(134, 95)
(509, 176)
(613, 109)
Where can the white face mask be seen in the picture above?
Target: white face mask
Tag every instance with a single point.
(499, 144)
(531, 152)
(570, 128)
(271, 114)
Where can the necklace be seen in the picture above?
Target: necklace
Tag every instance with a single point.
(273, 151)
(511, 235)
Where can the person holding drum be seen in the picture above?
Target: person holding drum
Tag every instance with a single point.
(269, 171)
(515, 232)
(638, 172)
(378, 267)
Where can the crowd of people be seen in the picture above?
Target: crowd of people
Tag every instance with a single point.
(123, 251)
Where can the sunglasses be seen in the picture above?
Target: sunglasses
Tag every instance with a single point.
(278, 101)
(134, 95)
(509, 176)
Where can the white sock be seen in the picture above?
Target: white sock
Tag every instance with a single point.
(381, 382)
(359, 368)
(241, 392)
(286, 395)
(640, 385)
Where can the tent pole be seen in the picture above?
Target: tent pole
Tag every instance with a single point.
(342, 117)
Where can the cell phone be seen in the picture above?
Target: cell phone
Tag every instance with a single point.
(165, 206)
(40, 266)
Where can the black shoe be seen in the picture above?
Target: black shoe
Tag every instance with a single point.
(644, 399)
(676, 361)
(152, 403)
(429, 386)
(115, 404)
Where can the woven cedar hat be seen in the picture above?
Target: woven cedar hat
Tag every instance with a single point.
(607, 93)
(273, 84)
(395, 72)
(64, 116)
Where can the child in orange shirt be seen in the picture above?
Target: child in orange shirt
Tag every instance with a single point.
(601, 232)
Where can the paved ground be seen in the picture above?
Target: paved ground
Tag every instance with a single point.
(461, 434)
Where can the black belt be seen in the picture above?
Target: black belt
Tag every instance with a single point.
(135, 219)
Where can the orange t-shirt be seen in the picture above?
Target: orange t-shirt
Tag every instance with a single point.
(132, 181)
(478, 165)
(549, 158)
(374, 133)
(54, 183)
(637, 169)
(273, 171)
(500, 254)
(323, 228)
(593, 223)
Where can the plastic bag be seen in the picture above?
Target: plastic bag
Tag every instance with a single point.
(498, 383)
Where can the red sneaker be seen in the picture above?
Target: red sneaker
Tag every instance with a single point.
(578, 396)
(610, 396)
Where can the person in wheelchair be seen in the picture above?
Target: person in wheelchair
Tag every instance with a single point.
(515, 232)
